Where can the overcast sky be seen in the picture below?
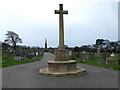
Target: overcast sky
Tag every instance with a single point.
(34, 20)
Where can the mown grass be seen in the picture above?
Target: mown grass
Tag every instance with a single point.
(95, 63)
(10, 61)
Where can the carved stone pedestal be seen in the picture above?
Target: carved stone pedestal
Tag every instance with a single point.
(61, 55)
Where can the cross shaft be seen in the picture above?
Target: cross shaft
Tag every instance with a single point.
(61, 25)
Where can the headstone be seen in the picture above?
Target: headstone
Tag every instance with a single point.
(100, 60)
(41, 53)
(36, 58)
(0, 52)
(11, 51)
(107, 60)
(70, 53)
(98, 52)
(112, 55)
(111, 62)
(36, 53)
(87, 55)
(118, 58)
(18, 58)
(77, 54)
(30, 56)
(5, 54)
(74, 56)
(104, 55)
(82, 57)
(17, 53)
(91, 55)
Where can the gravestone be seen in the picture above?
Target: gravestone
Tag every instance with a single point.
(37, 53)
(17, 53)
(91, 55)
(77, 54)
(18, 58)
(100, 60)
(82, 57)
(118, 58)
(70, 53)
(30, 56)
(111, 62)
(104, 55)
(98, 52)
(107, 57)
(41, 53)
(5, 54)
(74, 56)
(61, 65)
(0, 52)
(87, 55)
(107, 60)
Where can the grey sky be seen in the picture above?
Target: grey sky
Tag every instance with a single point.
(34, 20)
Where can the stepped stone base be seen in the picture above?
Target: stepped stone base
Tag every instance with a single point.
(62, 68)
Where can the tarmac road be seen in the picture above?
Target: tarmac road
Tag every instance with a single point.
(26, 76)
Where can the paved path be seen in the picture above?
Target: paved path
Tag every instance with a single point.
(26, 76)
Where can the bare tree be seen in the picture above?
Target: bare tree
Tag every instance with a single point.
(12, 38)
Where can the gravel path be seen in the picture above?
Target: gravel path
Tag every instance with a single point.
(26, 76)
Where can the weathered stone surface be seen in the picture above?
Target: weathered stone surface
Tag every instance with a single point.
(118, 57)
(111, 62)
(5, 54)
(18, 58)
(0, 52)
(105, 55)
(82, 56)
(61, 66)
(61, 25)
(78, 70)
(61, 55)
(101, 61)
(98, 52)
(73, 56)
(91, 55)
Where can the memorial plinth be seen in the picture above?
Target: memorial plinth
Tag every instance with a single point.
(61, 55)
(62, 65)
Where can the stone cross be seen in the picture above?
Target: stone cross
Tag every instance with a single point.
(61, 25)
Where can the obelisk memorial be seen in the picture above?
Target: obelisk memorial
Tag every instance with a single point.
(45, 45)
(62, 65)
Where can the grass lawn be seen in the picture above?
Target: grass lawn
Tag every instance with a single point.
(95, 62)
(10, 61)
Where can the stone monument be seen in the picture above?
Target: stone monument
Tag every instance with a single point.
(46, 45)
(99, 54)
(62, 65)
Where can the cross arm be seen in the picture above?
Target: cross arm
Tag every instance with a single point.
(59, 11)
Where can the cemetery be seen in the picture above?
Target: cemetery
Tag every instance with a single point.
(112, 63)
(9, 58)
(35, 67)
